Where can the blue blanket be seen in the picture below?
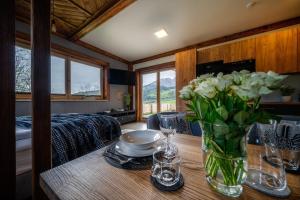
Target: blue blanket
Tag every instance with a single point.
(74, 135)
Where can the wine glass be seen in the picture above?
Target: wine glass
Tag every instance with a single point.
(167, 126)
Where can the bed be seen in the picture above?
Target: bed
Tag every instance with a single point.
(73, 135)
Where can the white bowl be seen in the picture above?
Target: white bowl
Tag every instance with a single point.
(132, 152)
(142, 139)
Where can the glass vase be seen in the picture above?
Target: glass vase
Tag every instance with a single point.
(224, 157)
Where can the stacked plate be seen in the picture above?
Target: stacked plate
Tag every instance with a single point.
(138, 143)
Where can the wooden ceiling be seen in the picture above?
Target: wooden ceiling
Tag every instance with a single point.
(74, 18)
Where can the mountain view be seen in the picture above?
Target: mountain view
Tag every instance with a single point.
(167, 91)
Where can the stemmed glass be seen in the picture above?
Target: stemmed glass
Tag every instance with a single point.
(168, 125)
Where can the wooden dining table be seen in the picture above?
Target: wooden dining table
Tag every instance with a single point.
(90, 177)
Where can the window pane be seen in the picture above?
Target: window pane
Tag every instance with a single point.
(58, 75)
(85, 79)
(23, 70)
(167, 90)
(149, 96)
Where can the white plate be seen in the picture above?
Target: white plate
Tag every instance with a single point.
(127, 151)
(142, 139)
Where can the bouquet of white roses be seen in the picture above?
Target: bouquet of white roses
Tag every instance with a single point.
(225, 105)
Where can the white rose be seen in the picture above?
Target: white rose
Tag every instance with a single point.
(264, 90)
(186, 92)
(206, 90)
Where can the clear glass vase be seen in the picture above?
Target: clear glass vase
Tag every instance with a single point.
(224, 157)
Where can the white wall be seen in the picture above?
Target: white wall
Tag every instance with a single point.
(116, 91)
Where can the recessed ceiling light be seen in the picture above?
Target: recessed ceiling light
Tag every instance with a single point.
(161, 33)
(250, 4)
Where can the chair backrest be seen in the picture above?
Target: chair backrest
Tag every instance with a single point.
(182, 125)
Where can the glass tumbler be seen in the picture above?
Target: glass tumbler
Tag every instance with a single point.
(166, 171)
(288, 141)
(265, 166)
(168, 124)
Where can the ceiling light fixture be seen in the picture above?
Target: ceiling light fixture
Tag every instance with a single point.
(250, 4)
(161, 33)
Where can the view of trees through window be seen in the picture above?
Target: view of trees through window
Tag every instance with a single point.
(23, 70)
(85, 79)
(166, 89)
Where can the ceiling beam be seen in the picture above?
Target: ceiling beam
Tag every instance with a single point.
(101, 51)
(80, 7)
(227, 38)
(100, 18)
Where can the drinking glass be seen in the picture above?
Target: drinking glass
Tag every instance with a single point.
(265, 166)
(288, 141)
(166, 171)
(168, 125)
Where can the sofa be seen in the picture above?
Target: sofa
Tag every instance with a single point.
(186, 127)
(183, 126)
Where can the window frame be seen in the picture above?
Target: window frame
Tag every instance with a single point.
(98, 97)
(70, 55)
(139, 90)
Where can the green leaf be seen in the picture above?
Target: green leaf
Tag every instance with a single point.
(233, 147)
(201, 106)
(222, 112)
(220, 128)
(241, 117)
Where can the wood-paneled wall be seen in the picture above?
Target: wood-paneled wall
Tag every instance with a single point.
(298, 55)
(277, 51)
(185, 71)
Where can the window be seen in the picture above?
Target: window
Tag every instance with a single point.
(149, 94)
(158, 91)
(85, 79)
(23, 70)
(167, 90)
(69, 79)
(58, 75)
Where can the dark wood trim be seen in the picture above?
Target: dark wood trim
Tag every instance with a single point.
(100, 18)
(227, 38)
(7, 100)
(157, 67)
(40, 70)
(158, 91)
(138, 97)
(130, 89)
(101, 51)
(106, 86)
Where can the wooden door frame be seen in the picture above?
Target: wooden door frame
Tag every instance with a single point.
(138, 97)
(7, 101)
(40, 70)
